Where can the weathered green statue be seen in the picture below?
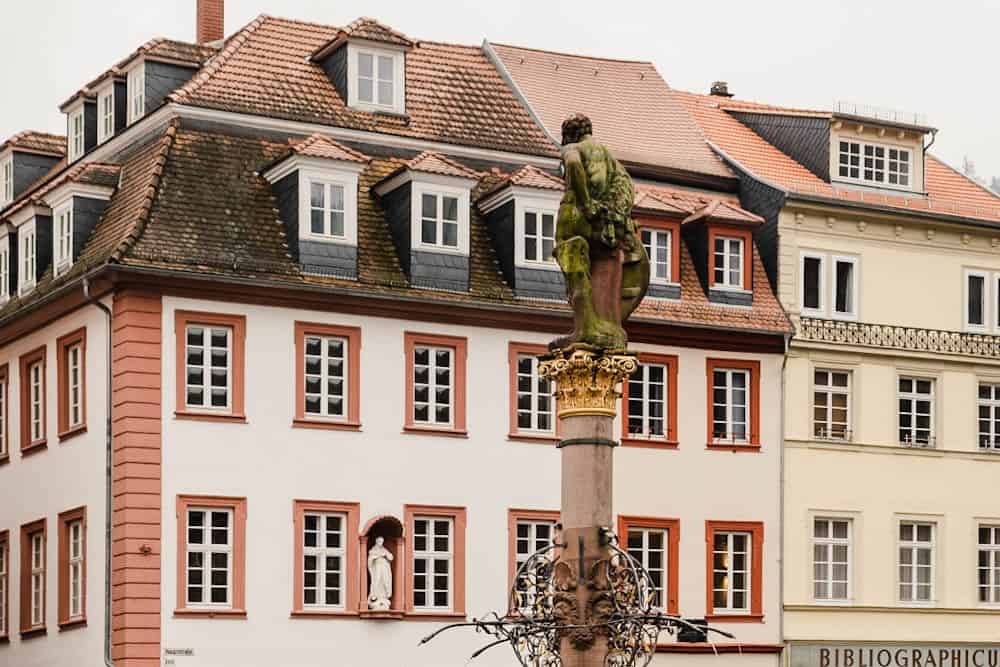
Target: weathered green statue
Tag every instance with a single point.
(598, 248)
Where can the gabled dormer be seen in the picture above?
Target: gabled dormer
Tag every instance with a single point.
(316, 185)
(24, 158)
(366, 62)
(30, 245)
(77, 204)
(112, 113)
(658, 219)
(426, 204)
(81, 124)
(520, 212)
(720, 238)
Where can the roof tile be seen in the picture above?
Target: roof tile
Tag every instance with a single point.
(31, 141)
(322, 146)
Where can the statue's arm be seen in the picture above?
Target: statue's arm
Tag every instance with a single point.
(576, 177)
(597, 171)
(388, 554)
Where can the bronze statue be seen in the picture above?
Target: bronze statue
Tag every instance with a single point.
(603, 261)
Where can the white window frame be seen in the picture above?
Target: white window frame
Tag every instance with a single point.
(525, 201)
(6, 179)
(321, 552)
(36, 611)
(830, 389)
(654, 235)
(135, 86)
(325, 377)
(991, 549)
(541, 258)
(354, 49)
(4, 585)
(4, 268)
(4, 402)
(727, 257)
(640, 379)
(913, 396)
(731, 570)
(730, 374)
(36, 400)
(539, 393)
(27, 256)
(342, 176)
(821, 309)
(828, 544)
(439, 188)
(853, 261)
(74, 531)
(76, 133)
(207, 549)
(74, 385)
(206, 367)
(992, 443)
(432, 403)
(106, 112)
(884, 182)
(429, 556)
(534, 543)
(914, 546)
(62, 238)
(439, 221)
(985, 305)
(662, 591)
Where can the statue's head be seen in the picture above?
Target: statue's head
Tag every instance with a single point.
(575, 128)
(379, 540)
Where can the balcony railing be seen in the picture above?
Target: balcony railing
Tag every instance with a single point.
(880, 113)
(911, 339)
(832, 435)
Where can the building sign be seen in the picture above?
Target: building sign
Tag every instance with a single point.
(895, 655)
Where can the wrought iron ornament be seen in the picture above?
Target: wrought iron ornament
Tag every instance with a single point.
(543, 608)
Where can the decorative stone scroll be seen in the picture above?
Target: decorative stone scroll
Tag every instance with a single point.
(587, 379)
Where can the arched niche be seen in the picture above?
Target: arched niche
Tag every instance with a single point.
(390, 529)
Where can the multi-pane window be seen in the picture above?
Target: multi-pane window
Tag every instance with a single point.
(647, 401)
(326, 376)
(208, 366)
(657, 243)
(844, 286)
(4, 586)
(4, 270)
(6, 181)
(531, 536)
(975, 299)
(433, 373)
(106, 115)
(728, 262)
(731, 572)
(74, 385)
(64, 238)
(812, 282)
(534, 397)
(209, 564)
(36, 555)
(730, 404)
(831, 404)
(326, 209)
(539, 235)
(988, 564)
(916, 411)
(439, 220)
(899, 167)
(849, 159)
(36, 398)
(376, 79)
(989, 417)
(76, 137)
(75, 564)
(324, 560)
(136, 84)
(648, 546)
(433, 556)
(874, 163)
(916, 561)
(831, 559)
(28, 258)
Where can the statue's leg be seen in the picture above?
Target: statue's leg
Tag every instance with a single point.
(573, 256)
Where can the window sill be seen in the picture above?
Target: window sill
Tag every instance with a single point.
(34, 632)
(70, 433)
(753, 448)
(301, 613)
(384, 615)
(537, 438)
(650, 443)
(731, 288)
(34, 448)
(430, 430)
(237, 614)
(735, 618)
(435, 616)
(209, 417)
(64, 626)
(326, 425)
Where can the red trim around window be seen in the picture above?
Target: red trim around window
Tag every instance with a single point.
(513, 516)
(29, 530)
(457, 514)
(5, 406)
(237, 608)
(460, 347)
(66, 518)
(735, 364)
(674, 227)
(5, 599)
(673, 528)
(78, 337)
(756, 530)
(238, 324)
(29, 446)
(669, 439)
(350, 577)
(513, 350)
(353, 361)
(731, 232)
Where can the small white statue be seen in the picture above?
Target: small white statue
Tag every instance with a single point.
(380, 576)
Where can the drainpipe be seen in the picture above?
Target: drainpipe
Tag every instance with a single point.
(107, 484)
(927, 148)
(781, 510)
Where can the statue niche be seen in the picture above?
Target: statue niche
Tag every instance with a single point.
(381, 567)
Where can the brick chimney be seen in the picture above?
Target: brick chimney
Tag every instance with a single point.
(720, 89)
(211, 20)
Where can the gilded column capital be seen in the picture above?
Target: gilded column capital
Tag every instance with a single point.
(587, 379)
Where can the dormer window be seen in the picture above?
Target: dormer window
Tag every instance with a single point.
(4, 268)
(874, 163)
(76, 137)
(326, 209)
(728, 264)
(63, 238)
(376, 78)
(658, 244)
(106, 114)
(26, 239)
(6, 180)
(136, 92)
(439, 220)
(539, 235)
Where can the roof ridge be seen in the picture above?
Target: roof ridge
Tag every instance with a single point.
(219, 59)
(573, 55)
(152, 189)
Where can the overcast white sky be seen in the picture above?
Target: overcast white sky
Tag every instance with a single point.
(940, 59)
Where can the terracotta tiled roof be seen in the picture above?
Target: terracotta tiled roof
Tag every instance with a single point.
(430, 162)
(322, 146)
(627, 101)
(30, 141)
(948, 192)
(365, 28)
(721, 211)
(454, 94)
(530, 176)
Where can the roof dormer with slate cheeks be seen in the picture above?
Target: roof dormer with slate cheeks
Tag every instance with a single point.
(316, 185)
(25, 158)
(720, 238)
(366, 62)
(520, 212)
(426, 204)
(81, 125)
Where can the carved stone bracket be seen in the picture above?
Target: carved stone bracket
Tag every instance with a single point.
(587, 379)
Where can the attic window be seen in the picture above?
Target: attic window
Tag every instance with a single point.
(106, 114)
(6, 180)
(136, 85)
(76, 137)
(375, 79)
(63, 241)
(874, 163)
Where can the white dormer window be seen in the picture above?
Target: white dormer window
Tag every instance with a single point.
(62, 241)
(136, 92)
(657, 243)
(539, 235)
(328, 203)
(106, 114)
(375, 78)
(874, 163)
(76, 136)
(4, 268)
(728, 265)
(440, 217)
(26, 239)
(6, 180)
